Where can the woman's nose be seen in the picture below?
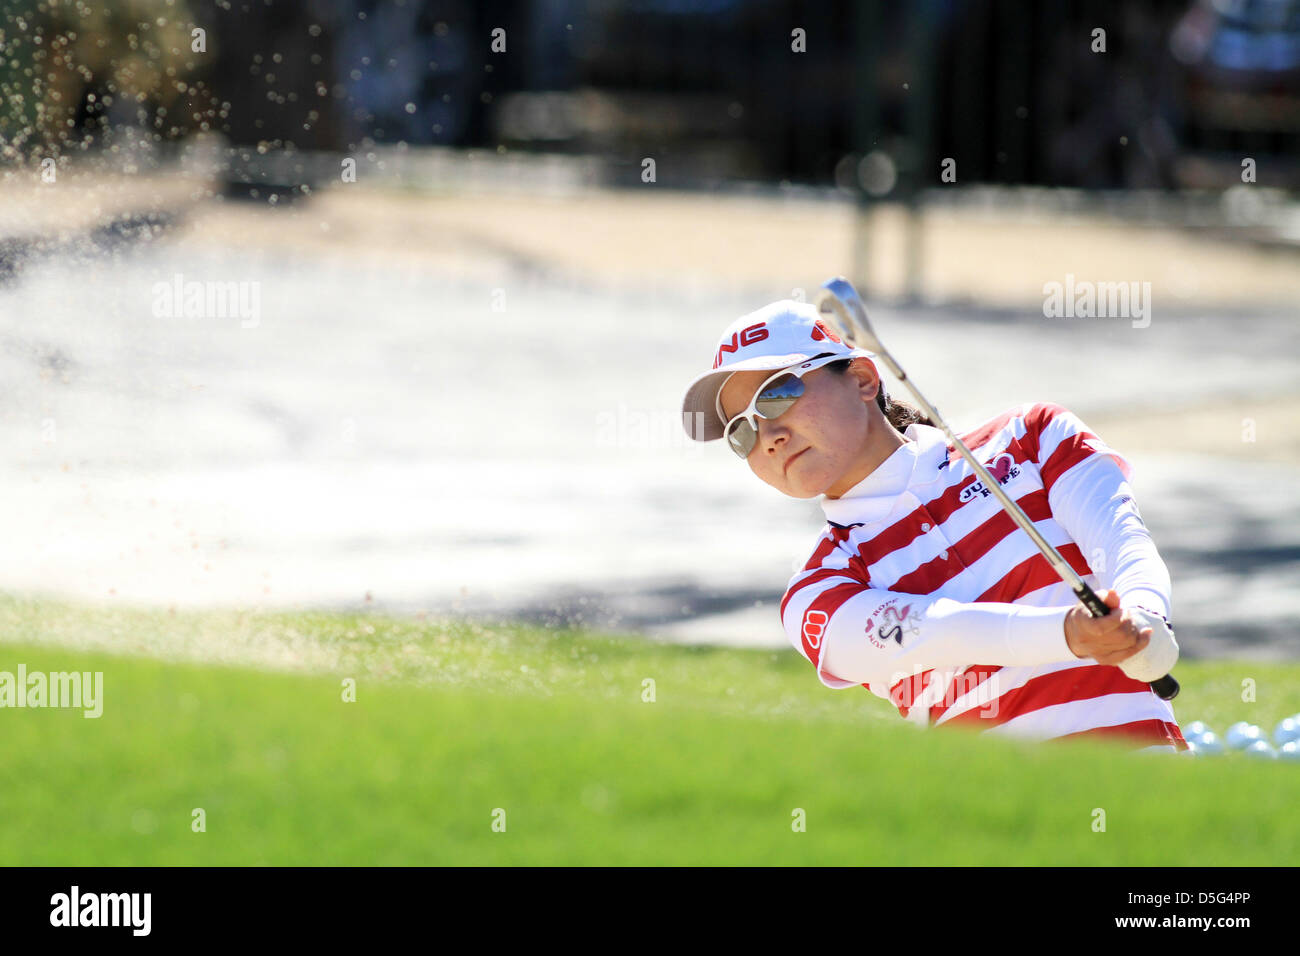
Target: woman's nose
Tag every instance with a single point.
(772, 431)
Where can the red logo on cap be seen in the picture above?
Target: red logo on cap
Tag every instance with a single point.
(820, 331)
(747, 336)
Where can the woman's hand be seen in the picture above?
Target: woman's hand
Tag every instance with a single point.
(1109, 640)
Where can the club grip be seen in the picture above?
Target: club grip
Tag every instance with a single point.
(1166, 688)
(1088, 598)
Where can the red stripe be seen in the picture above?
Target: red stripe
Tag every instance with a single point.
(1068, 453)
(1035, 504)
(931, 576)
(1077, 683)
(898, 535)
(945, 505)
(1033, 573)
(1140, 733)
(974, 676)
(1038, 417)
(989, 535)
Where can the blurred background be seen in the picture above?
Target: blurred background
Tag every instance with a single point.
(392, 305)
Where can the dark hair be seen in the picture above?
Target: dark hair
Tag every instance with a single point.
(899, 414)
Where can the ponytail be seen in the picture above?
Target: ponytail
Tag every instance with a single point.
(901, 414)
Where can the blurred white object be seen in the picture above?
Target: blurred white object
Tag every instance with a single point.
(1161, 653)
(1261, 748)
(1242, 734)
(1287, 731)
(1209, 744)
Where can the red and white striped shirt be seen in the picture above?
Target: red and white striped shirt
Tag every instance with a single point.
(924, 591)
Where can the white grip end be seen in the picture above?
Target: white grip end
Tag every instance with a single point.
(1161, 653)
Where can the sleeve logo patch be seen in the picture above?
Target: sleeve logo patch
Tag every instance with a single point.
(894, 623)
(814, 628)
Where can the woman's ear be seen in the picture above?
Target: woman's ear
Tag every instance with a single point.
(868, 378)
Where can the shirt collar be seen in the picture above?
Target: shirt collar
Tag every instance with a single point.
(915, 462)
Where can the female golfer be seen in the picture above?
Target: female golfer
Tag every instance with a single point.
(920, 587)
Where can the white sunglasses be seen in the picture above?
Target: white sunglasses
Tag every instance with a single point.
(772, 400)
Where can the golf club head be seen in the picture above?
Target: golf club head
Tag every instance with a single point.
(840, 300)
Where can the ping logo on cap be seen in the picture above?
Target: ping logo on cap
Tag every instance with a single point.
(746, 336)
(820, 331)
(790, 330)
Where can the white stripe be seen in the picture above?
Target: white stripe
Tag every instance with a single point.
(1110, 710)
(1013, 549)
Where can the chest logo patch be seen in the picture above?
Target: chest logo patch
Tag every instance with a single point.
(1003, 468)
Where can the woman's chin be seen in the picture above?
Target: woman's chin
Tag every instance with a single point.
(801, 487)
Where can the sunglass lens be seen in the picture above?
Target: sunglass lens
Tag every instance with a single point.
(741, 437)
(776, 399)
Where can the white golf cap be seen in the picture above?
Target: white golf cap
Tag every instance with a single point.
(777, 336)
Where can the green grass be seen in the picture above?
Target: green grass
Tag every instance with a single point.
(453, 721)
